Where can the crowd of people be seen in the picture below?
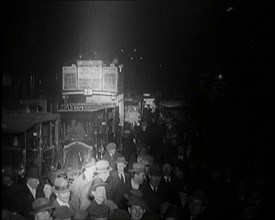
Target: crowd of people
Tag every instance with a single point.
(160, 173)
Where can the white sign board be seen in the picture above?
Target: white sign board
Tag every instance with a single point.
(69, 79)
(110, 79)
(89, 77)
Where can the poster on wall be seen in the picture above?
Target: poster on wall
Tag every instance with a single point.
(89, 77)
(69, 75)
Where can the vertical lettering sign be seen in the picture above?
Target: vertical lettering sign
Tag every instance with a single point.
(110, 79)
(69, 79)
(89, 77)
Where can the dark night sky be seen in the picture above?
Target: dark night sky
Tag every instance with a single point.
(187, 38)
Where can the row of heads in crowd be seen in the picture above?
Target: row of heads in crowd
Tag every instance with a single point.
(100, 171)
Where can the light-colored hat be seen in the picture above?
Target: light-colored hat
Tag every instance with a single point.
(61, 185)
(138, 168)
(102, 166)
(110, 146)
(89, 163)
(41, 204)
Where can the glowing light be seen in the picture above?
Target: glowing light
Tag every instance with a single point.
(229, 9)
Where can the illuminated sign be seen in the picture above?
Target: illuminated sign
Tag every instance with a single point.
(69, 75)
(81, 107)
(89, 77)
(110, 79)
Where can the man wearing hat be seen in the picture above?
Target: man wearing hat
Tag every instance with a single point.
(102, 170)
(42, 208)
(118, 180)
(9, 187)
(63, 207)
(29, 191)
(111, 154)
(99, 207)
(137, 173)
(136, 205)
(150, 189)
(198, 204)
(168, 185)
(81, 185)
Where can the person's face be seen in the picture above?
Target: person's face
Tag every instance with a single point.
(136, 212)
(180, 150)
(174, 141)
(33, 182)
(99, 194)
(112, 152)
(143, 127)
(196, 206)
(73, 122)
(47, 189)
(104, 176)
(90, 171)
(140, 177)
(179, 173)
(63, 196)
(155, 180)
(120, 167)
(45, 215)
(167, 169)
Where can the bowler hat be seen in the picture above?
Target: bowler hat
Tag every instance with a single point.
(96, 183)
(135, 199)
(200, 195)
(61, 185)
(121, 160)
(102, 166)
(32, 172)
(138, 168)
(110, 146)
(155, 170)
(143, 123)
(41, 204)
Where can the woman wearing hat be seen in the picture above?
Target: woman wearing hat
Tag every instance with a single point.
(63, 207)
(47, 188)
